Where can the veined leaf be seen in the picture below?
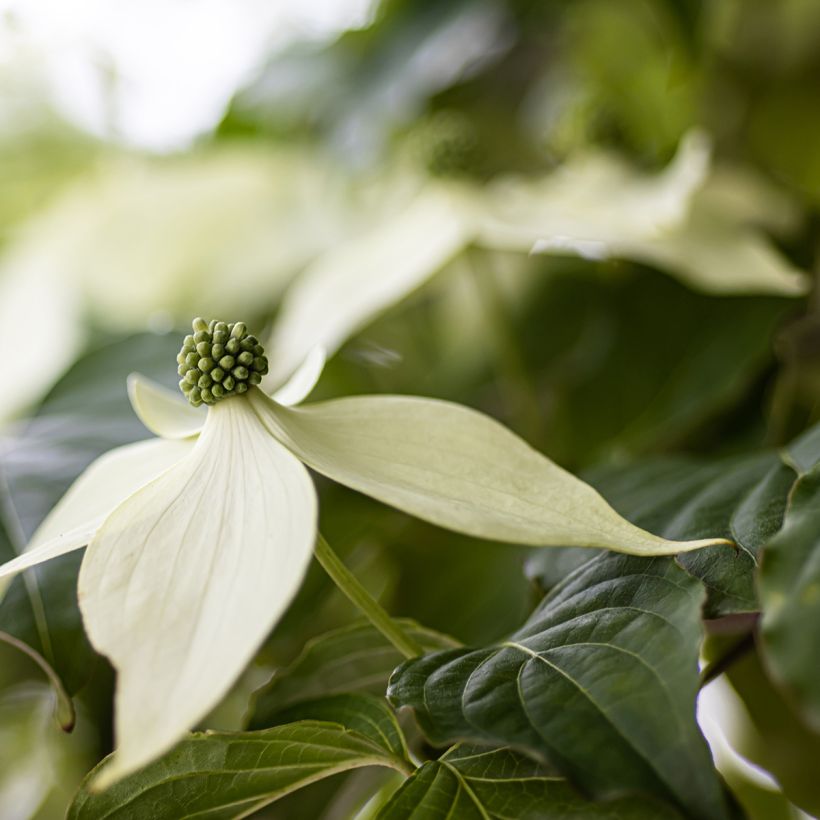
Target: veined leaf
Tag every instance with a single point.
(790, 590)
(219, 775)
(740, 498)
(496, 784)
(601, 682)
(355, 658)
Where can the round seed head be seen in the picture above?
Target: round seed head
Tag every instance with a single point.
(219, 360)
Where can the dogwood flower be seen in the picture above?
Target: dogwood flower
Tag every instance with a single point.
(688, 220)
(199, 539)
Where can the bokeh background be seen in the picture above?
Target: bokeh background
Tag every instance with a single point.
(161, 160)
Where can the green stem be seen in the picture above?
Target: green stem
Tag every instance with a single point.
(363, 600)
(66, 716)
(718, 667)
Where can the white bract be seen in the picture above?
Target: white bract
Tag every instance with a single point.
(696, 224)
(198, 540)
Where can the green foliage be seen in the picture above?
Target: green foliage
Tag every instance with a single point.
(612, 649)
(223, 775)
(472, 782)
(790, 589)
(355, 658)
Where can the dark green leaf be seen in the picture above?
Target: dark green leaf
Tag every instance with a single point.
(790, 590)
(774, 738)
(742, 499)
(355, 658)
(601, 681)
(226, 775)
(369, 716)
(739, 498)
(499, 784)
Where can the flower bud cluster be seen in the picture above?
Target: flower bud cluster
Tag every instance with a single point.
(219, 360)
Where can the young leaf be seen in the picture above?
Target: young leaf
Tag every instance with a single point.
(355, 658)
(601, 681)
(470, 782)
(790, 589)
(225, 775)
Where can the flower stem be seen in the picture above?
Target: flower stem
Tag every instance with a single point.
(363, 600)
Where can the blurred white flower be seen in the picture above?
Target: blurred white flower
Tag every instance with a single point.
(596, 206)
(144, 242)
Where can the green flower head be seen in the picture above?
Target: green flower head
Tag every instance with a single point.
(219, 360)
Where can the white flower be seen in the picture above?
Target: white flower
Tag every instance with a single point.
(694, 224)
(198, 540)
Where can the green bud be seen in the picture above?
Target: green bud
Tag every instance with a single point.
(218, 361)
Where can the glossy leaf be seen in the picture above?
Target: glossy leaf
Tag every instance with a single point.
(740, 498)
(613, 650)
(495, 784)
(225, 775)
(355, 658)
(790, 591)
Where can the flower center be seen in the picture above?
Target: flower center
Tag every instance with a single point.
(219, 360)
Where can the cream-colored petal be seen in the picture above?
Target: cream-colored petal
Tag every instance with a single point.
(353, 282)
(162, 411)
(106, 483)
(299, 386)
(184, 581)
(103, 485)
(456, 468)
(53, 548)
(592, 201)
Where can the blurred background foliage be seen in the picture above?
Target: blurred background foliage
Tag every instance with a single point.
(144, 181)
